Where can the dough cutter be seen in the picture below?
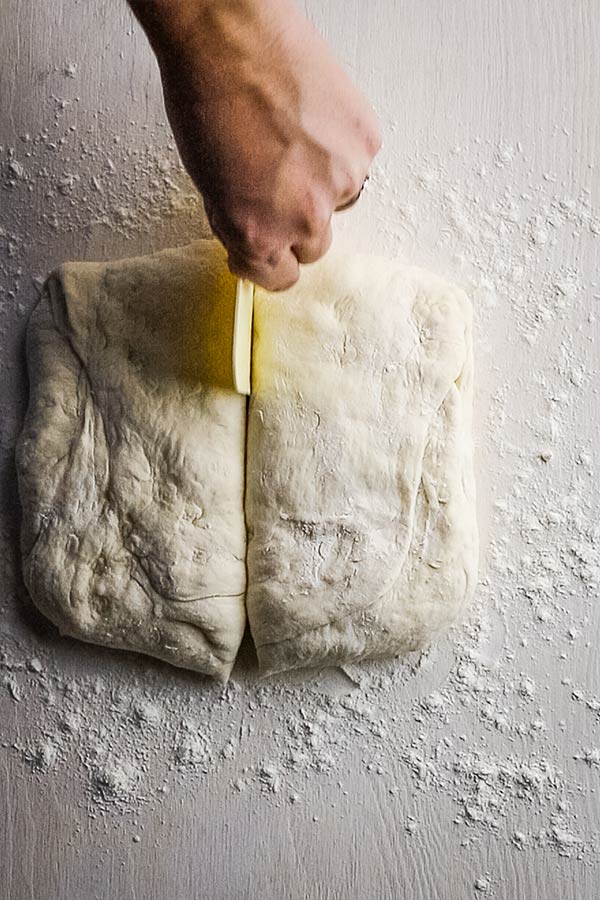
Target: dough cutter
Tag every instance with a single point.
(242, 336)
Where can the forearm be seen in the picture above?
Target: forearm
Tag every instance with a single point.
(270, 128)
(165, 21)
(169, 24)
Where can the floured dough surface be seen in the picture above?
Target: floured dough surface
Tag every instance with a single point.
(131, 460)
(140, 469)
(360, 506)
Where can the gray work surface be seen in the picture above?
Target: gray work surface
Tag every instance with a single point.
(473, 770)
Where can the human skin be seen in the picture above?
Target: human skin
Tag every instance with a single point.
(269, 126)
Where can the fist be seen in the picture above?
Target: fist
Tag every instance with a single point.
(271, 129)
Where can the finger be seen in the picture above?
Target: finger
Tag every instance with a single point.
(273, 275)
(309, 250)
(213, 220)
(373, 136)
(347, 204)
(352, 176)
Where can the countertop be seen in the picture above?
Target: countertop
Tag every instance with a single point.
(471, 770)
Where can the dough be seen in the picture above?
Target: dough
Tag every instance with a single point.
(359, 501)
(130, 463)
(360, 507)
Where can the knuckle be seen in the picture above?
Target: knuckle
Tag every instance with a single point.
(247, 236)
(316, 213)
(373, 138)
(352, 184)
(370, 131)
(310, 250)
(237, 267)
(287, 282)
(356, 179)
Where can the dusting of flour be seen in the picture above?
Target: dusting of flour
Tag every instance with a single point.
(472, 722)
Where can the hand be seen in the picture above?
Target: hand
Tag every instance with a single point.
(270, 128)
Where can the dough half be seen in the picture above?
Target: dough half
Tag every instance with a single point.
(360, 499)
(131, 459)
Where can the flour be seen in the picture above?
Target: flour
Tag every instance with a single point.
(472, 726)
(69, 69)
(192, 751)
(12, 688)
(113, 782)
(41, 757)
(590, 756)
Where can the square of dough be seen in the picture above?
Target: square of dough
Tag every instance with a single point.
(352, 469)
(360, 499)
(131, 459)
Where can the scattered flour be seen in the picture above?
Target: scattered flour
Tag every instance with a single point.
(466, 724)
(113, 782)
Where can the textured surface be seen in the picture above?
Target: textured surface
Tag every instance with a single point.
(131, 459)
(360, 500)
(472, 770)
